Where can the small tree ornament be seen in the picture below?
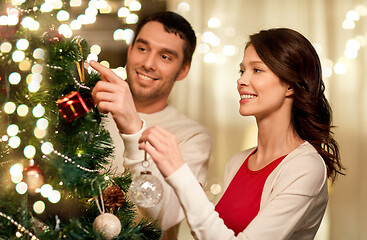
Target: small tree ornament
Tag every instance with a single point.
(146, 190)
(32, 175)
(113, 197)
(73, 106)
(107, 224)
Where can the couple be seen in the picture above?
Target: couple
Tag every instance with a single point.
(277, 190)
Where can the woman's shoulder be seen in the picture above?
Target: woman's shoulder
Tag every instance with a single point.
(303, 168)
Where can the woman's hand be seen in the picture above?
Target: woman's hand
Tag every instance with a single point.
(163, 148)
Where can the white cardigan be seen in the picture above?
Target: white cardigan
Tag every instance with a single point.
(293, 200)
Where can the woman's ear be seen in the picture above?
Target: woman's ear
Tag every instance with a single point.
(290, 91)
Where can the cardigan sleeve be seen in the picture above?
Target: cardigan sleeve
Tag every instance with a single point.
(301, 196)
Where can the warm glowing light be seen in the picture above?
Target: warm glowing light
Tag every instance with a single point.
(350, 53)
(37, 68)
(348, 24)
(46, 190)
(14, 142)
(65, 30)
(18, 56)
(12, 20)
(361, 10)
(229, 50)
(340, 68)
(54, 196)
(24, 65)
(46, 7)
(39, 207)
(106, 10)
(9, 107)
(16, 179)
(105, 63)
(75, 25)
(29, 151)
(47, 148)
(12, 130)
(42, 123)
(353, 44)
(18, 234)
(183, 7)
(352, 15)
(5, 47)
(214, 22)
(14, 78)
(21, 187)
(135, 6)
(132, 18)
(95, 49)
(16, 169)
(123, 12)
(118, 35)
(203, 48)
(22, 110)
(17, 2)
(75, 3)
(38, 111)
(22, 44)
(211, 38)
(38, 53)
(91, 11)
(5, 138)
(39, 133)
(210, 57)
(34, 86)
(36, 77)
(121, 72)
(92, 56)
(62, 16)
(327, 68)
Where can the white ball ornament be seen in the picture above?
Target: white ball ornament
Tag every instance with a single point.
(146, 190)
(108, 225)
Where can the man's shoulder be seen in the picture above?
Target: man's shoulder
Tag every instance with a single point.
(176, 121)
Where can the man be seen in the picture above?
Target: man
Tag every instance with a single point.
(159, 55)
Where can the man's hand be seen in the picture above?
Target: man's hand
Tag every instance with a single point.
(112, 95)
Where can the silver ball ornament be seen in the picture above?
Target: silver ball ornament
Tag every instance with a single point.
(146, 190)
(108, 225)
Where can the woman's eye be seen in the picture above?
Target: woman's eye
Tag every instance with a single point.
(257, 70)
(241, 72)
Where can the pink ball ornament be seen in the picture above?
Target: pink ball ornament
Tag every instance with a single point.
(108, 225)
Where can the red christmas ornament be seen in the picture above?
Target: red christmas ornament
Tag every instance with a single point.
(52, 36)
(73, 105)
(32, 175)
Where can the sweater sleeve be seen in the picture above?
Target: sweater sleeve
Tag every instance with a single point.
(195, 152)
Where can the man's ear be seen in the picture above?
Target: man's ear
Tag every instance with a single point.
(183, 72)
(129, 49)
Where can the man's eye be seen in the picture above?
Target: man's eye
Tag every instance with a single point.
(165, 57)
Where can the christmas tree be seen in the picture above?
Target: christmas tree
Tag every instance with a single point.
(54, 148)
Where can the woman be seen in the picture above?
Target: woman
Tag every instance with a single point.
(277, 190)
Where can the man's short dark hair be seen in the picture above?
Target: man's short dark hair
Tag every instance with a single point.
(173, 23)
